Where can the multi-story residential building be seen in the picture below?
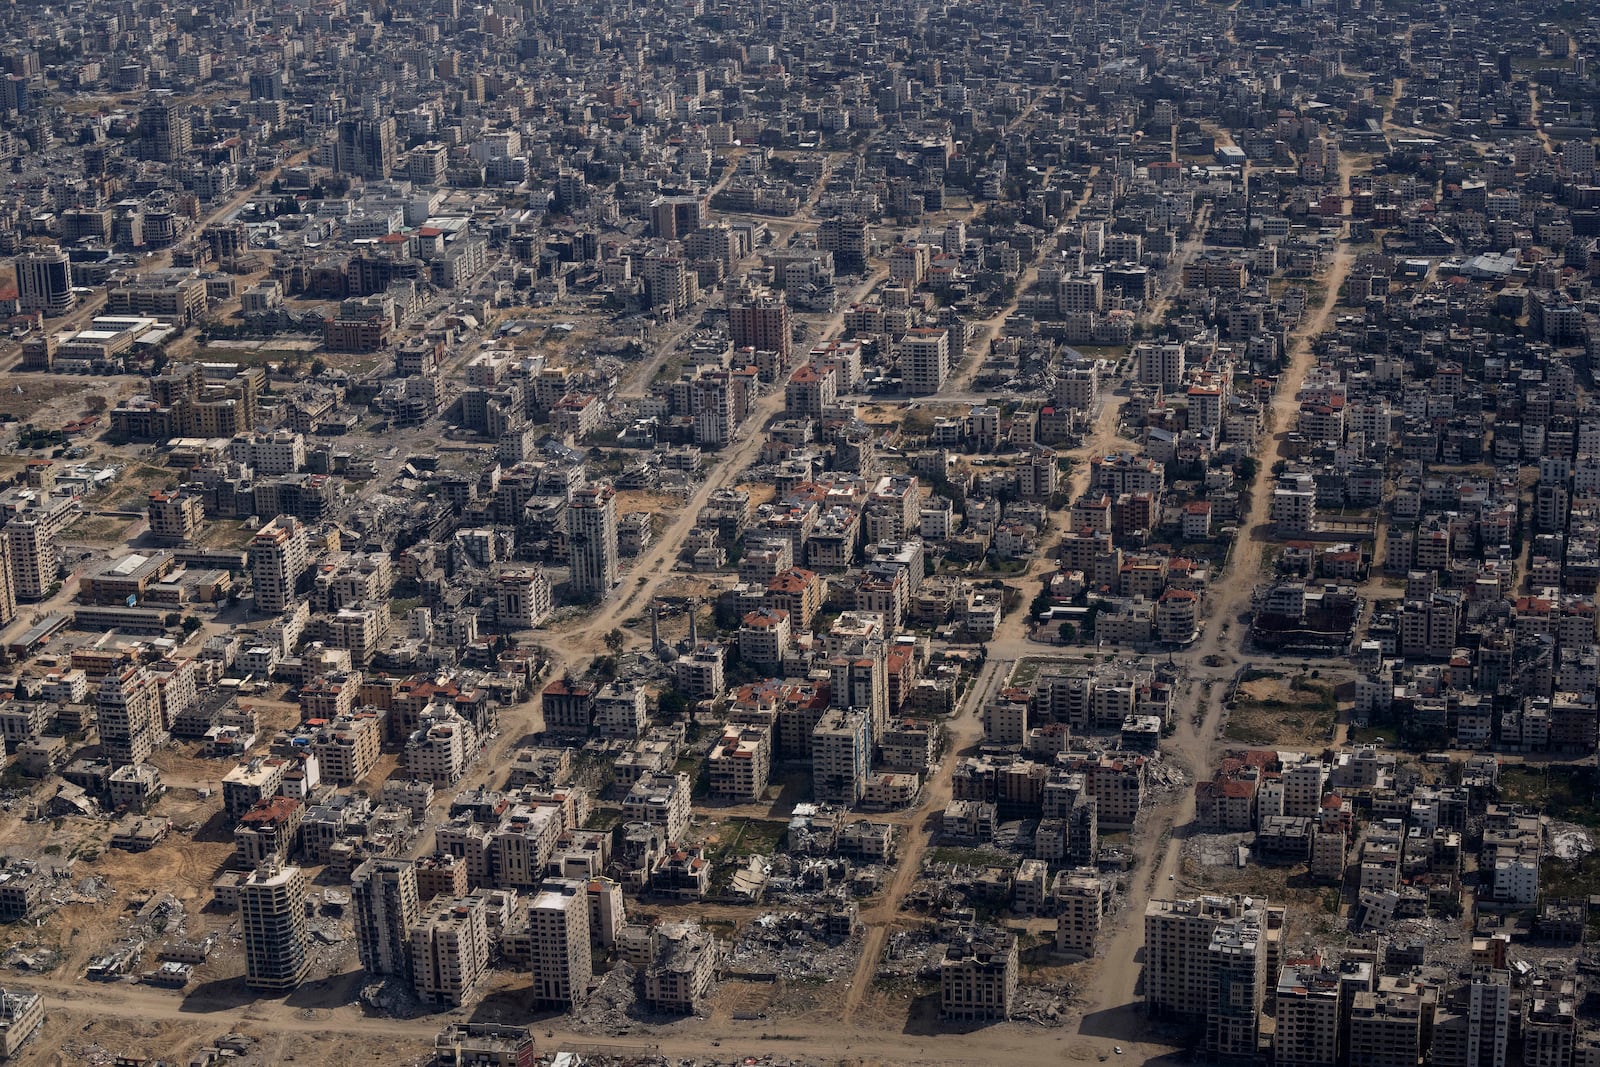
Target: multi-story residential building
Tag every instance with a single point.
(764, 637)
(682, 963)
(164, 129)
(1472, 1027)
(1238, 969)
(1386, 1027)
(272, 920)
(1160, 363)
(450, 950)
(558, 924)
(701, 675)
(1309, 1005)
(761, 321)
(592, 541)
(129, 706)
(841, 756)
(384, 893)
(741, 761)
(523, 598)
(924, 354)
(1079, 901)
(621, 711)
(978, 977)
(661, 800)
(176, 518)
(1177, 938)
(33, 561)
(250, 783)
(348, 747)
(280, 553)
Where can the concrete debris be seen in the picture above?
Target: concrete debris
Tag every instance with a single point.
(1215, 850)
(791, 945)
(1042, 1005)
(1569, 841)
(611, 1005)
(393, 997)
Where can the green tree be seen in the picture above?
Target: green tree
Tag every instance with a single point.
(672, 705)
(614, 641)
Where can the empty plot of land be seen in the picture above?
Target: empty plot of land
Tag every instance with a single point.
(1271, 709)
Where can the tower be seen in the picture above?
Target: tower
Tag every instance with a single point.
(592, 541)
(366, 147)
(164, 130)
(558, 922)
(279, 555)
(44, 282)
(761, 321)
(384, 892)
(272, 918)
(129, 705)
(8, 589)
(450, 949)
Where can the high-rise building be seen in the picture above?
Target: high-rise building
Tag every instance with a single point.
(279, 555)
(129, 704)
(272, 918)
(673, 218)
(1310, 1001)
(846, 238)
(1238, 975)
(450, 949)
(384, 892)
(841, 756)
(32, 554)
(558, 923)
(44, 282)
(859, 680)
(1473, 1027)
(522, 598)
(8, 589)
(1177, 946)
(366, 147)
(1079, 897)
(761, 321)
(164, 130)
(266, 85)
(592, 541)
(924, 359)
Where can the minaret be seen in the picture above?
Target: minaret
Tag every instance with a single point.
(694, 634)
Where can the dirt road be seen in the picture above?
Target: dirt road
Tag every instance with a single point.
(323, 1030)
(1114, 1010)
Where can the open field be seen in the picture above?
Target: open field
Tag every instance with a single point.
(1272, 710)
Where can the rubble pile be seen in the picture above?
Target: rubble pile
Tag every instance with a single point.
(1569, 841)
(911, 955)
(32, 957)
(1042, 1005)
(162, 914)
(394, 997)
(792, 945)
(614, 1006)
